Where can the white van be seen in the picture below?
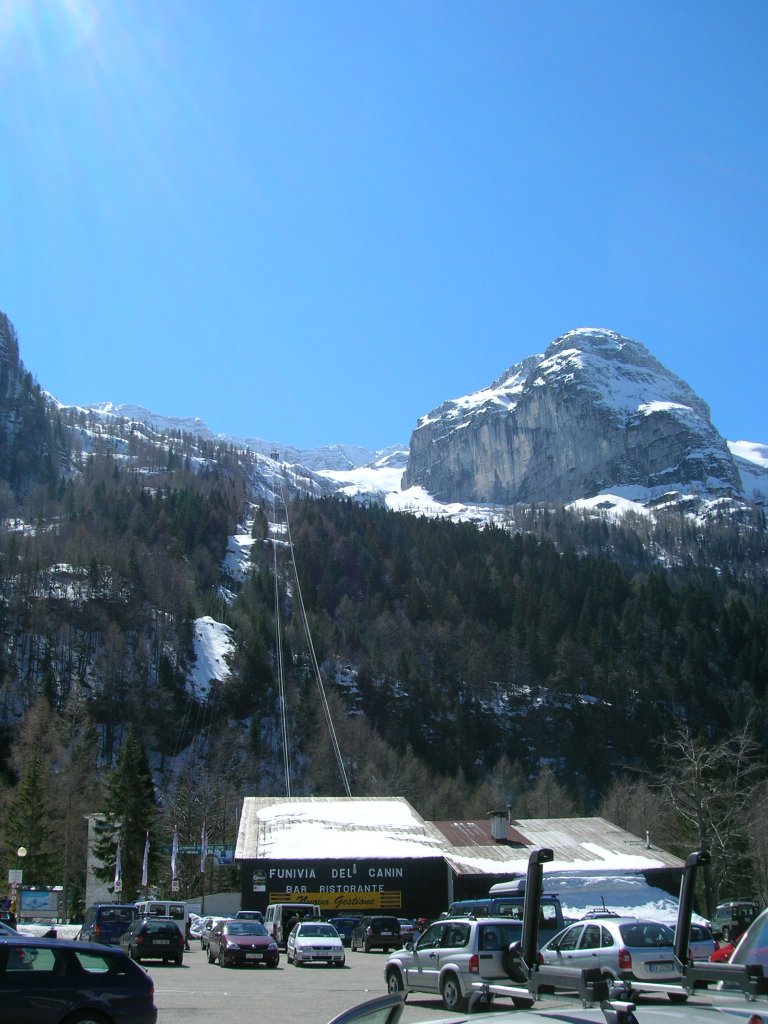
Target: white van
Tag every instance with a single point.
(278, 919)
(173, 910)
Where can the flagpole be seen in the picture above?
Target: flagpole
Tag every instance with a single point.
(203, 855)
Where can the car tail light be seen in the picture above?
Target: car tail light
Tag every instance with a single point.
(139, 940)
(625, 959)
(97, 930)
(474, 964)
(369, 930)
(756, 1018)
(539, 957)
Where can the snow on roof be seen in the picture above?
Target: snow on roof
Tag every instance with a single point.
(300, 828)
(579, 844)
(326, 828)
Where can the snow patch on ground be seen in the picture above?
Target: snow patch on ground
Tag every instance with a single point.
(213, 647)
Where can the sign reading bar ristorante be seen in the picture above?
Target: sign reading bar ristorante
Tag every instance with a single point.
(362, 885)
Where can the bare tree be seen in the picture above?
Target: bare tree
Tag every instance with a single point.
(709, 786)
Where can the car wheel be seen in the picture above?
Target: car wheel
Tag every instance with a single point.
(677, 997)
(367, 946)
(178, 961)
(450, 990)
(288, 957)
(211, 957)
(521, 1004)
(394, 981)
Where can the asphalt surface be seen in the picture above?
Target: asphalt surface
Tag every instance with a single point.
(203, 992)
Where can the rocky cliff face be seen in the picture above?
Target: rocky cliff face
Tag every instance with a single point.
(595, 412)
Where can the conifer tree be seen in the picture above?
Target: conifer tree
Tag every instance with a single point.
(130, 815)
(27, 824)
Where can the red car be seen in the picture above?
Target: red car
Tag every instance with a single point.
(240, 942)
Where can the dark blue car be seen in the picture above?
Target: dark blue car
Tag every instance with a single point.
(344, 926)
(47, 981)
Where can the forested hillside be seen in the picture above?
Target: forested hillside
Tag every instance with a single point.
(556, 664)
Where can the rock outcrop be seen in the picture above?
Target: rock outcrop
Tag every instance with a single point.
(596, 412)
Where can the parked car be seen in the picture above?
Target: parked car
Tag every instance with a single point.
(234, 942)
(50, 980)
(344, 926)
(205, 930)
(733, 917)
(407, 929)
(312, 942)
(624, 948)
(701, 941)
(389, 1010)
(106, 922)
(378, 932)
(250, 915)
(158, 940)
(452, 954)
(195, 926)
(752, 947)
(8, 918)
(507, 899)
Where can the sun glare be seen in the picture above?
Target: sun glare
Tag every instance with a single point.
(32, 30)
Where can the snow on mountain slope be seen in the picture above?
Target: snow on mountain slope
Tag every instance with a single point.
(594, 413)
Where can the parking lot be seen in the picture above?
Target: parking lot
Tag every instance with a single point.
(200, 991)
(203, 992)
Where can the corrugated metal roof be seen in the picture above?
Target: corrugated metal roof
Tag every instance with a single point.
(312, 828)
(578, 844)
(478, 833)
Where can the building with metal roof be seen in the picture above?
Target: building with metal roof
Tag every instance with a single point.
(377, 854)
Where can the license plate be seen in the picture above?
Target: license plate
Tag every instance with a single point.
(386, 934)
(662, 965)
(162, 942)
(253, 956)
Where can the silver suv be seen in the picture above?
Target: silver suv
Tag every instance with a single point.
(624, 948)
(453, 954)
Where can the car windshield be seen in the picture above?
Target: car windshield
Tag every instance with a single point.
(246, 928)
(648, 935)
(315, 930)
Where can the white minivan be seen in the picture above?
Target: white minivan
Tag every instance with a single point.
(281, 917)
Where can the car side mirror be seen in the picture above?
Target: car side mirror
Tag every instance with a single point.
(409, 944)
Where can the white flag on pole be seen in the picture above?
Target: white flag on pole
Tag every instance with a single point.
(145, 865)
(203, 848)
(174, 854)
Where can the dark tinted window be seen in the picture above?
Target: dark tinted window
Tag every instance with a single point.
(385, 924)
(116, 913)
(640, 936)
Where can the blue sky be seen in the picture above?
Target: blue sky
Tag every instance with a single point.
(312, 221)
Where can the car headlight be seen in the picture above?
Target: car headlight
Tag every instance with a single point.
(272, 945)
(233, 945)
